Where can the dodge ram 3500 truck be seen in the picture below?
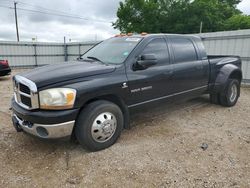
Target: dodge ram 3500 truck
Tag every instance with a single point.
(91, 97)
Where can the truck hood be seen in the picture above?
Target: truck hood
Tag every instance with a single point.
(66, 71)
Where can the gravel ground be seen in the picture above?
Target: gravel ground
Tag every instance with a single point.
(166, 147)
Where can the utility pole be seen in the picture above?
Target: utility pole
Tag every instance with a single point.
(17, 33)
(201, 25)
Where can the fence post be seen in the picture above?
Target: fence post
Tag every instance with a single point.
(65, 50)
(79, 50)
(35, 55)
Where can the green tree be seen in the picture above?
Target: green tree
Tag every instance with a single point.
(212, 14)
(138, 15)
(230, 2)
(238, 22)
(177, 16)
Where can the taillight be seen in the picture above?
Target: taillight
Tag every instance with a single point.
(5, 63)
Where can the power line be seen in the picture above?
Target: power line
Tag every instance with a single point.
(8, 1)
(46, 9)
(56, 14)
(40, 8)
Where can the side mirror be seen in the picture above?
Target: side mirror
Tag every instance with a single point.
(145, 61)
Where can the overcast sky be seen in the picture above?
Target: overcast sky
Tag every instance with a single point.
(100, 14)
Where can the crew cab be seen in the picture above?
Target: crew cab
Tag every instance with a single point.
(4, 67)
(91, 98)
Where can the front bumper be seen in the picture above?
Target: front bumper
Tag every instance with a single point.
(5, 72)
(60, 130)
(44, 124)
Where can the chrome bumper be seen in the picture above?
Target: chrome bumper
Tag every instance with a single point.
(44, 131)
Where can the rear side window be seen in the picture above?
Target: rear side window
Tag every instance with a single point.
(184, 50)
(159, 48)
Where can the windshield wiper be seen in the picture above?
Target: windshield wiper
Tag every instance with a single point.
(96, 59)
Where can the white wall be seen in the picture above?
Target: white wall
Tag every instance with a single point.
(35, 54)
(230, 43)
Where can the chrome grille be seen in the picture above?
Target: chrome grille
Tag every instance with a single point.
(24, 89)
(26, 100)
(25, 92)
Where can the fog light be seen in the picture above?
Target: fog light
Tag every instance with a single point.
(42, 132)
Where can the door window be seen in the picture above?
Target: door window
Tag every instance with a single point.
(158, 47)
(184, 50)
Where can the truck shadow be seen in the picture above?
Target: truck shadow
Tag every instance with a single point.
(154, 111)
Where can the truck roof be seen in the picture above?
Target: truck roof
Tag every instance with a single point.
(145, 35)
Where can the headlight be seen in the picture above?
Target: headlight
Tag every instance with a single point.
(57, 98)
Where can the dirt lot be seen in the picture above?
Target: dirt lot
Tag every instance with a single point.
(163, 149)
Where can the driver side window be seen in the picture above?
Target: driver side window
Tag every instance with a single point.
(159, 48)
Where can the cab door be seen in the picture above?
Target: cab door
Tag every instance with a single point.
(190, 73)
(154, 82)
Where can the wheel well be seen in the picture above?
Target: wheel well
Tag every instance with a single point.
(116, 100)
(236, 75)
(111, 98)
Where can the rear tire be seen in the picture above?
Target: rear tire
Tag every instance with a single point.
(99, 125)
(231, 94)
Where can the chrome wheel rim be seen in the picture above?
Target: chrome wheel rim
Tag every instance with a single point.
(103, 127)
(234, 93)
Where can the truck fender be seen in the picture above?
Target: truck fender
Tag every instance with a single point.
(226, 72)
(118, 101)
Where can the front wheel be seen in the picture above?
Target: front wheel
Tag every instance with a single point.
(99, 125)
(231, 94)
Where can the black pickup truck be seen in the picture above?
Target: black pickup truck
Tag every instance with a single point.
(91, 98)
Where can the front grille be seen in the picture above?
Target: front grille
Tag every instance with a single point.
(25, 92)
(25, 100)
(24, 89)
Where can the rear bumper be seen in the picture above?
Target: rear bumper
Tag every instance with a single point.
(5, 71)
(44, 124)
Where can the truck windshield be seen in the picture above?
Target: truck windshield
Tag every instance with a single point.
(112, 51)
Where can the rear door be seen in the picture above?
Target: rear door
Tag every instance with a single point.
(190, 73)
(155, 81)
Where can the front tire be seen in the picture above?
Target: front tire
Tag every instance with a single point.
(231, 94)
(99, 125)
